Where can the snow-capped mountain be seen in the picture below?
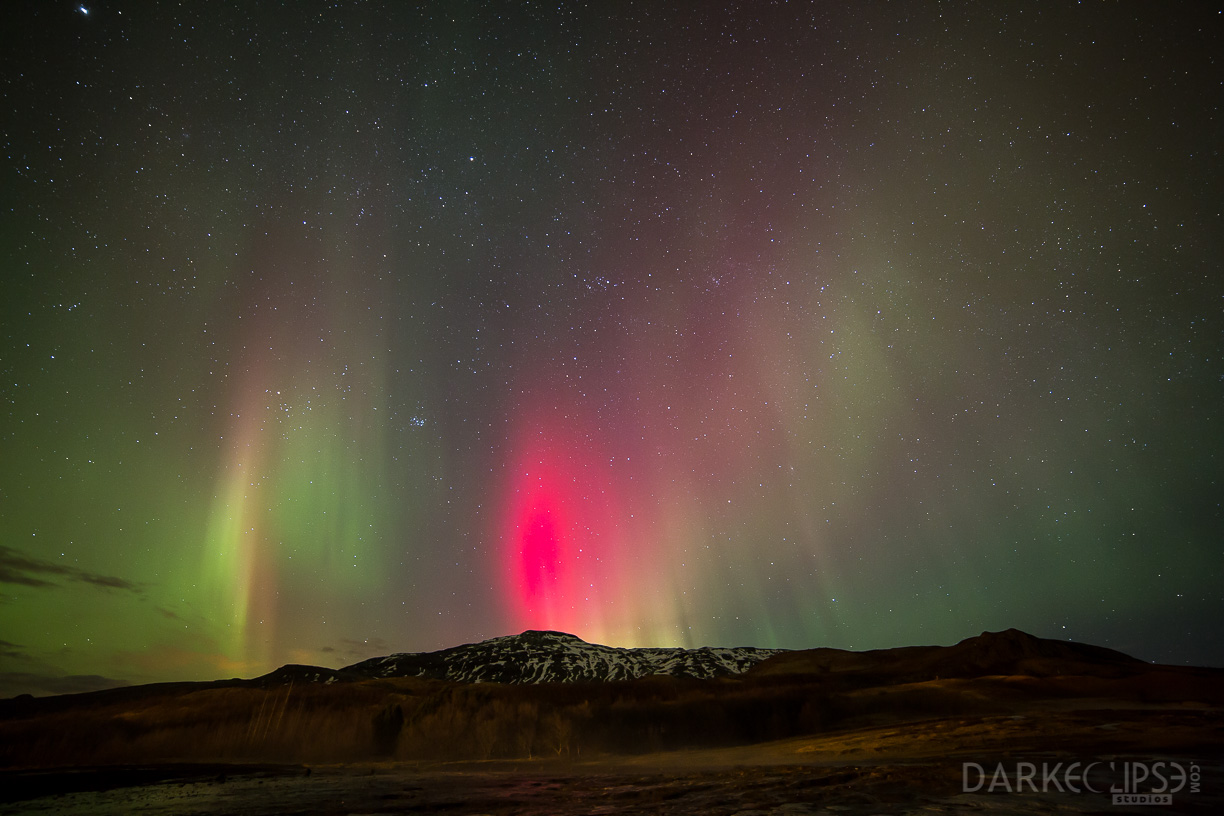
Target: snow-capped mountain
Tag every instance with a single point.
(555, 657)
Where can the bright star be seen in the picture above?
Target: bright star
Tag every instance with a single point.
(83, 10)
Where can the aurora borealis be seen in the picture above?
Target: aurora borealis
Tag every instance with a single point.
(335, 330)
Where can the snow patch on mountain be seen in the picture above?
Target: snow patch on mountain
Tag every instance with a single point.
(557, 657)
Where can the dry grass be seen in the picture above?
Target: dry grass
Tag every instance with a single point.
(415, 720)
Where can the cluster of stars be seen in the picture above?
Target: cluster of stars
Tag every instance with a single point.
(784, 326)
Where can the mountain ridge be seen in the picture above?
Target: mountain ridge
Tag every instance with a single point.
(546, 656)
(510, 660)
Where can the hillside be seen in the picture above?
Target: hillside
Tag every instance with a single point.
(553, 695)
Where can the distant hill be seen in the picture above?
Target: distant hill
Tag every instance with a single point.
(1010, 652)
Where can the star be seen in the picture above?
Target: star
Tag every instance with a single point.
(736, 315)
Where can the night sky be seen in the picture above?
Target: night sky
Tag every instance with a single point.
(334, 330)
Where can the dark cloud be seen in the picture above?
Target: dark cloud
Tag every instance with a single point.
(14, 683)
(16, 569)
(11, 651)
(20, 569)
(168, 613)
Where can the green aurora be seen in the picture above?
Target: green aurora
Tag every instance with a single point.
(334, 332)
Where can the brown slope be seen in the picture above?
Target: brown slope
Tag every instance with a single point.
(1009, 652)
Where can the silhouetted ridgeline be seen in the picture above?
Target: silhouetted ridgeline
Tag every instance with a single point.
(307, 714)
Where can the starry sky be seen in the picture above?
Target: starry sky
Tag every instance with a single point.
(335, 330)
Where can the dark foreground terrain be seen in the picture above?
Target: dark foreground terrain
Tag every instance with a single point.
(1003, 723)
(913, 768)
